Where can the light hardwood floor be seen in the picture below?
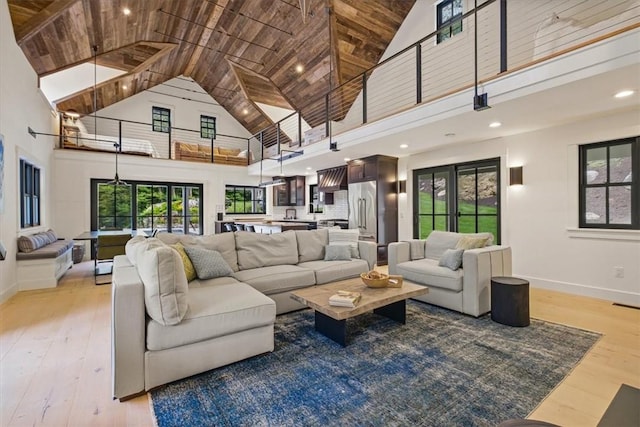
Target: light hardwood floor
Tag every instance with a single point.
(55, 357)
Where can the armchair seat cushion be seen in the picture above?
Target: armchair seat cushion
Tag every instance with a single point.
(428, 272)
(214, 311)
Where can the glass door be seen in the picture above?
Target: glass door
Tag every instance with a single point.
(464, 197)
(477, 199)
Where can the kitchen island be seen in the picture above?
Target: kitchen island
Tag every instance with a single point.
(275, 226)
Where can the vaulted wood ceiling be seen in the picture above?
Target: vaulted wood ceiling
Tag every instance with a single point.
(263, 40)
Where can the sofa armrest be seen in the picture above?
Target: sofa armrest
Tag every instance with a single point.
(396, 253)
(128, 335)
(368, 252)
(479, 265)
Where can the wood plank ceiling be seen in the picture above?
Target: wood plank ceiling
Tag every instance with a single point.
(238, 51)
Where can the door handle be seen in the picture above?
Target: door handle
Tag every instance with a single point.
(364, 208)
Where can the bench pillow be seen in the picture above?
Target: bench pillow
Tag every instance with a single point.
(36, 241)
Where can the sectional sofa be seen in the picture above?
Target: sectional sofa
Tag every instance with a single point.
(457, 268)
(165, 327)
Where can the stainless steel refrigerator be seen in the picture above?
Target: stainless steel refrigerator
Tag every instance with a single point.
(362, 209)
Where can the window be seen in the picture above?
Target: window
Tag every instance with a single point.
(30, 191)
(241, 199)
(447, 12)
(207, 127)
(161, 119)
(464, 197)
(609, 190)
(166, 206)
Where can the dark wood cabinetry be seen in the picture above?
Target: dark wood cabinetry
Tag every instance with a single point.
(384, 171)
(291, 193)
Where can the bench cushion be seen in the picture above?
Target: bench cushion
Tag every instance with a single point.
(52, 250)
(214, 311)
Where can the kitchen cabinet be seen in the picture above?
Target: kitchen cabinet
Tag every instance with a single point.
(291, 193)
(362, 170)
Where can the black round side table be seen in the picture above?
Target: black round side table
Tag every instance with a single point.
(510, 301)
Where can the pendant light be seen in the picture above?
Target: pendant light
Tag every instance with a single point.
(116, 181)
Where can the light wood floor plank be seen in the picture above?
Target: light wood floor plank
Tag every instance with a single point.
(55, 361)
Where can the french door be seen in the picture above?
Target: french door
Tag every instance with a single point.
(464, 197)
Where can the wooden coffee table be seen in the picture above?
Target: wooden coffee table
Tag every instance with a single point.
(332, 321)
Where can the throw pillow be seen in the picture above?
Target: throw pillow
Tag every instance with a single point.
(468, 242)
(189, 269)
(337, 253)
(338, 236)
(452, 259)
(208, 264)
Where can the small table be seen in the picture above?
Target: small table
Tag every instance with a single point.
(510, 301)
(331, 321)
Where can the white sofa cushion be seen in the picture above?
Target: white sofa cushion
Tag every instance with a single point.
(214, 311)
(137, 245)
(438, 242)
(427, 272)
(198, 283)
(311, 244)
(338, 236)
(277, 278)
(331, 271)
(225, 243)
(261, 250)
(165, 284)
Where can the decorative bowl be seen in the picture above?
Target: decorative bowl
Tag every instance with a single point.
(382, 282)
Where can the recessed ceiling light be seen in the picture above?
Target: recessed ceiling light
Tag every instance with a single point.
(404, 146)
(624, 93)
(495, 125)
(308, 168)
(126, 11)
(346, 159)
(299, 68)
(245, 111)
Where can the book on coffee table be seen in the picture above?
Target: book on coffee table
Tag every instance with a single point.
(344, 299)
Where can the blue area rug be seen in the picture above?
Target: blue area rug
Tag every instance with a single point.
(440, 369)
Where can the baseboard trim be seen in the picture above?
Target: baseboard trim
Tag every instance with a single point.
(621, 297)
(8, 293)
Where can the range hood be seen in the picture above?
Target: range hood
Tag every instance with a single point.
(333, 179)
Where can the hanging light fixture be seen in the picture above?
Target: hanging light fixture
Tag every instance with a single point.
(116, 181)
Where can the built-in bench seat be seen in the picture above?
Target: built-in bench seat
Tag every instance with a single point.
(42, 260)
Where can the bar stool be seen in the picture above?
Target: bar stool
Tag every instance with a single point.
(228, 227)
(239, 227)
(250, 228)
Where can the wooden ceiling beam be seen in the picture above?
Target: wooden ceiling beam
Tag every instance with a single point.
(42, 19)
(212, 21)
(154, 58)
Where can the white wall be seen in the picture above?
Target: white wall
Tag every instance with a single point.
(540, 219)
(21, 105)
(74, 170)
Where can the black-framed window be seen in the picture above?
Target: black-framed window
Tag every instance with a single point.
(161, 119)
(244, 199)
(144, 205)
(463, 197)
(207, 127)
(609, 184)
(448, 11)
(30, 194)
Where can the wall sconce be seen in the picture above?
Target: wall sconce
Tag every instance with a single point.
(402, 186)
(515, 175)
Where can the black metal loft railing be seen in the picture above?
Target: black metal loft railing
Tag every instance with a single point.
(97, 133)
(511, 35)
